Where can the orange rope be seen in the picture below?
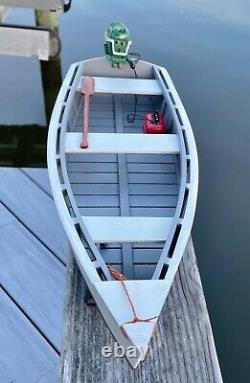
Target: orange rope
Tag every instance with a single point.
(121, 278)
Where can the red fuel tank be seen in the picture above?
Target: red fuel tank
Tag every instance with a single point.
(154, 123)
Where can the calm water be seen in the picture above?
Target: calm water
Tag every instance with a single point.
(206, 47)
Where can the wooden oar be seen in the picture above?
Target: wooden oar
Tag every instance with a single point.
(88, 89)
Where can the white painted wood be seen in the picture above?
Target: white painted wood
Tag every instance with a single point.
(125, 86)
(187, 182)
(84, 262)
(128, 229)
(117, 310)
(123, 143)
(57, 5)
(25, 42)
(140, 333)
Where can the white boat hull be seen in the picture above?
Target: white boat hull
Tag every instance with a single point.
(148, 188)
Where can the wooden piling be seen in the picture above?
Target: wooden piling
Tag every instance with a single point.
(4, 11)
(50, 70)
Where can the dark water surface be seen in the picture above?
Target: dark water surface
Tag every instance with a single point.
(206, 47)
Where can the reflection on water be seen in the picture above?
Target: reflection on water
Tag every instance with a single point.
(205, 46)
(23, 145)
(51, 82)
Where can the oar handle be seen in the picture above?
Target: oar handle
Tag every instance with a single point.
(84, 143)
(88, 88)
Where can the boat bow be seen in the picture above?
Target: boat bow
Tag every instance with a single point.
(147, 299)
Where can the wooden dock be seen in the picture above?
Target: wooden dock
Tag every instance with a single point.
(32, 279)
(41, 41)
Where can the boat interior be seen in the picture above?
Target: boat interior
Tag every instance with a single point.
(127, 200)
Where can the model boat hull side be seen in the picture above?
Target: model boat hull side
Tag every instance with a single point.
(55, 137)
(186, 205)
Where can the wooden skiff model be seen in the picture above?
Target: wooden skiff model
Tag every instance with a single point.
(126, 198)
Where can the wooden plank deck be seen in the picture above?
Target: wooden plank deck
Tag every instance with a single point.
(28, 202)
(25, 354)
(32, 278)
(26, 42)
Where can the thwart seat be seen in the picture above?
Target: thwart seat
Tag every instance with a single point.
(125, 86)
(123, 143)
(128, 229)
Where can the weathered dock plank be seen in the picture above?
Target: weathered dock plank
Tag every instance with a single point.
(23, 41)
(51, 376)
(182, 349)
(40, 177)
(25, 355)
(34, 208)
(33, 277)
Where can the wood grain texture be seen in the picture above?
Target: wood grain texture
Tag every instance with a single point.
(40, 177)
(26, 42)
(31, 206)
(50, 376)
(32, 280)
(32, 276)
(25, 355)
(182, 349)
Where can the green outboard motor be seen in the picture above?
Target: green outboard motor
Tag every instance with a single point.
(117, 43)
